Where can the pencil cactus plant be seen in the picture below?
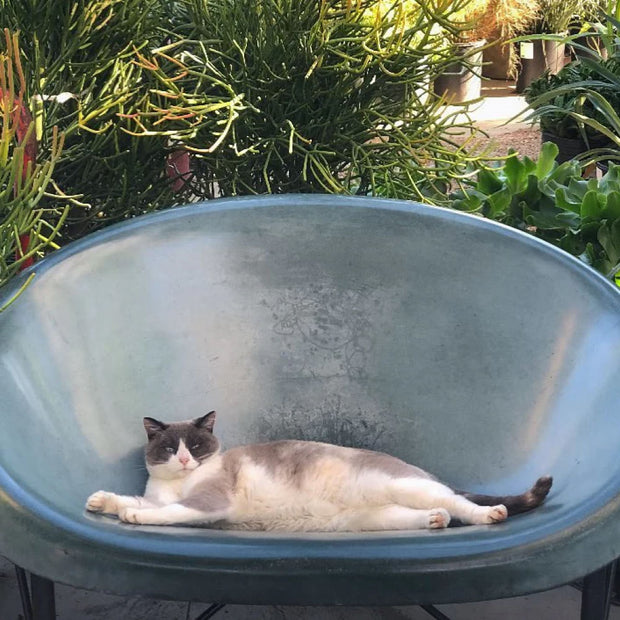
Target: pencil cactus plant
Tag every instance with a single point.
(287, 96)
(157, 103)
(32, 211)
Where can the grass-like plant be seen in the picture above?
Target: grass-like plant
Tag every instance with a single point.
(555, 16)
(562, 103)
(582, 100)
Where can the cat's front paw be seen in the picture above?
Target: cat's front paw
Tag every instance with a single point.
(101, 501)
(129, 515)
(438, 518)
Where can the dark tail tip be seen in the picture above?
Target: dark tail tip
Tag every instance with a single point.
(532, 498)
(516, 504)
(540, 490)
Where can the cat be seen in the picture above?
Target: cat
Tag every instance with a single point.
(293, 486)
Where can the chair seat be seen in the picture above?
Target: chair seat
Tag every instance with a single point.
(470, 349)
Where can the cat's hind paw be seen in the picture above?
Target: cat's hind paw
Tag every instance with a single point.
(129, 515)
(496, 514)
(438, 518)
(98, 502)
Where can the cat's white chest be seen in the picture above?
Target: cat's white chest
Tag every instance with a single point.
(163, 492)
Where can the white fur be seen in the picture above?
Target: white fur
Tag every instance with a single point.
(163, 515)
(263, 501)
(169, 482)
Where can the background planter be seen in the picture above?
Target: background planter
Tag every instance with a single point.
(459, 83)
(592, 42)
(571, 148)
(498, 62)
(537, 57)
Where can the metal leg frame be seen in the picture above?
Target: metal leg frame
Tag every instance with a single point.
(596, 594)
(217, 607)
(38, 600)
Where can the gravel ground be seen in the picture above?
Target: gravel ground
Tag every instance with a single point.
(525, 140)
(522, 137)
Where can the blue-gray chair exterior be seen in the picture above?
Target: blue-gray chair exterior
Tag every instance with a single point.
(468, 348)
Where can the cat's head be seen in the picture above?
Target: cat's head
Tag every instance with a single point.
(175, 449)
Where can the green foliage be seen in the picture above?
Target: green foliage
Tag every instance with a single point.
(554, 203)
(30, 217)
(594, 206)
(78, 64)
(31, 213)
(561, 101)
(590, 11)
(267, 96)
(554, 16)
(287, 96)
(584, 98)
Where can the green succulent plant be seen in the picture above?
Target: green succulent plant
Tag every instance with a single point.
(553, 202)
(593, 207)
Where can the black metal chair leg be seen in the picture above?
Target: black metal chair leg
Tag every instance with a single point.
(43, 598)
(596, 595)
(433, 611)
(24, 592)
(210, 611)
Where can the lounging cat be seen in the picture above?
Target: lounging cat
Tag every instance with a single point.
(293, 486)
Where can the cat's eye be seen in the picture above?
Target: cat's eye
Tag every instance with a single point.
(170, 449)
(195, 446)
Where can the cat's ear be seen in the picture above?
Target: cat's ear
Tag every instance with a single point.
(153, 427)
(207, 421)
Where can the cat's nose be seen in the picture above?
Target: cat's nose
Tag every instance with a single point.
(184, 460)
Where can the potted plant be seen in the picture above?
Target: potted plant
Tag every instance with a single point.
(538, 54)
(561, 104)
(586, 30)
(156, 110)
(502, 21)
(461, 81)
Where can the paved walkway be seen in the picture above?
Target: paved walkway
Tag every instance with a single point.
(499, 105)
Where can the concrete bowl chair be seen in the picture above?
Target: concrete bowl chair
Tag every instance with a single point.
(468, 348)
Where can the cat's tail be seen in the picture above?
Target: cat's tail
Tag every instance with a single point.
(515, 503)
